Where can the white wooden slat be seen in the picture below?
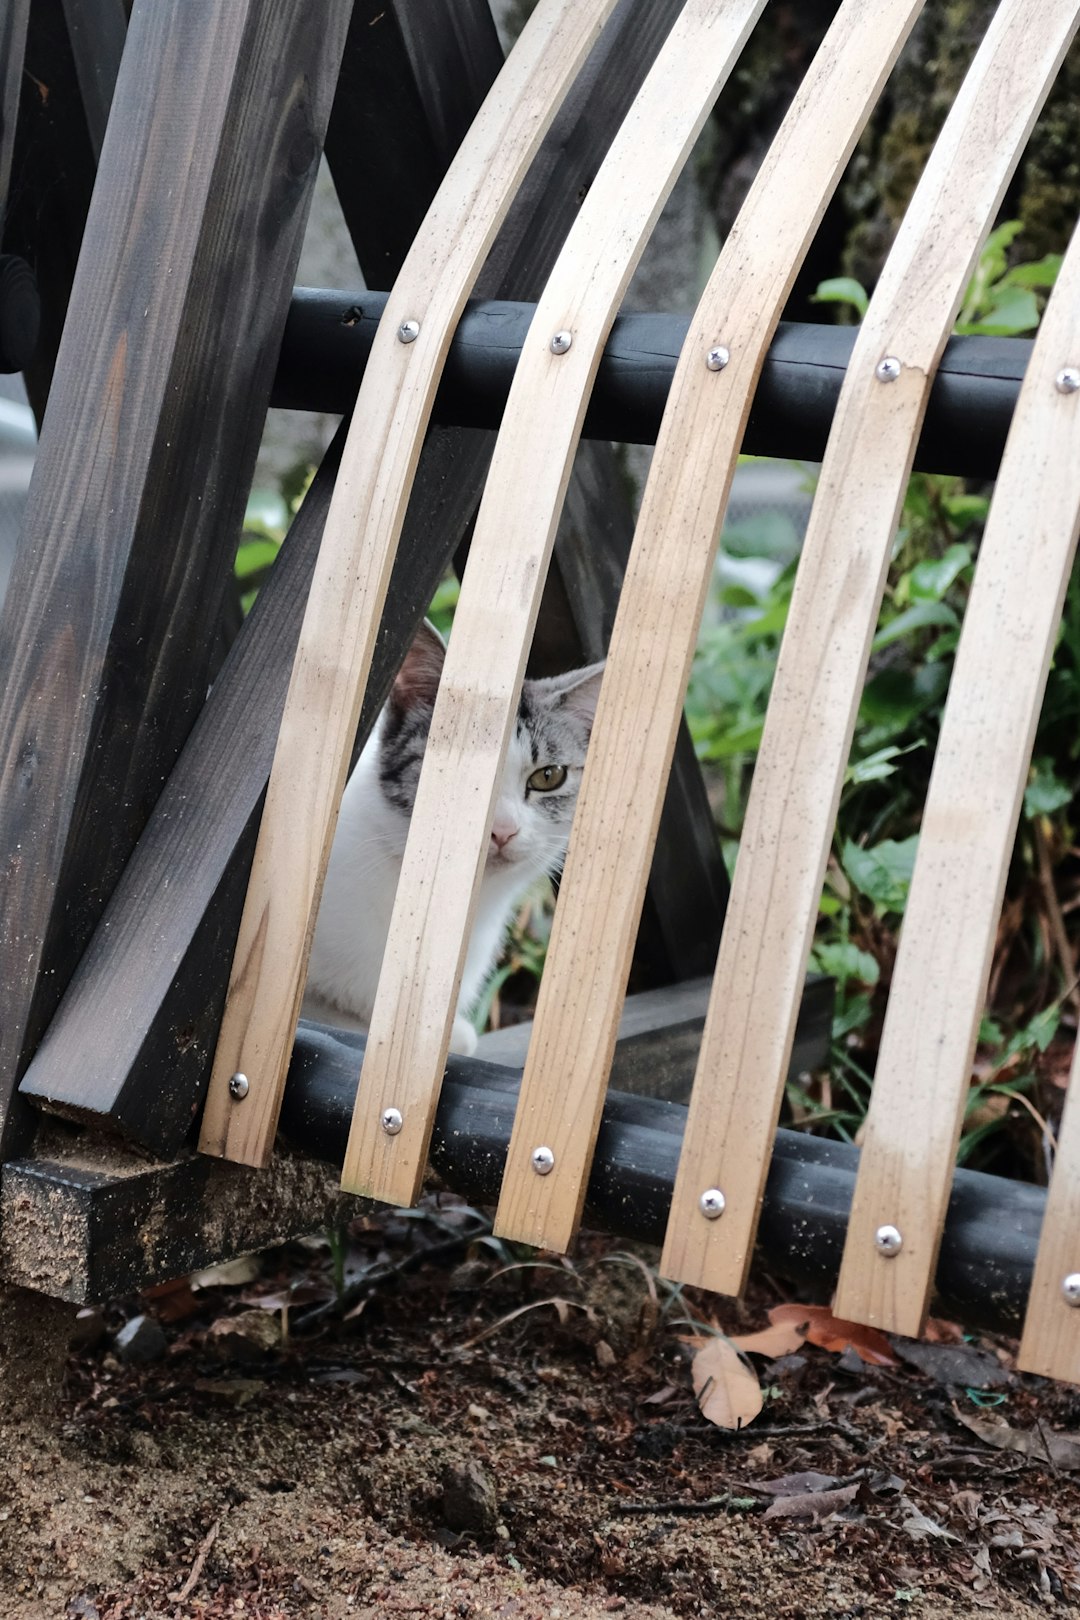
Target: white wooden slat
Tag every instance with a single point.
(1051, 1339)
(834, 608)
(968, 829)
(407, 1044)
(359, 543)
(657, 623)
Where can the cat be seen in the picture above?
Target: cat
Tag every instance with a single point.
(529, 834)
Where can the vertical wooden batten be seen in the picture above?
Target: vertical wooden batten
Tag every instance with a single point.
(441, 869)
(659, 613)
(797, 778)
(341, 621)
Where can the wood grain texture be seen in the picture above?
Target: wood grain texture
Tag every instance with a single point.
(145, 459)
(341, 621)
(496, 613)
(52, 177)
(939, 981)
(97, 30)
(1050, 1344)
(834, 609)
(659, 614)
(687, 889)
(14, 21)
(156, 971)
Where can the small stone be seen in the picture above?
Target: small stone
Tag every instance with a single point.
(248, 1336)
(470, 1501)
(142, 1339)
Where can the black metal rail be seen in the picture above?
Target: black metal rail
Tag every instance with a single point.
(991, 1232)
(328, 338)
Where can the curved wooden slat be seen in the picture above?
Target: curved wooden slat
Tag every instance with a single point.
(414, 1008)
(1051, 1339)
(342, 618)
(660, 608)
(834, 608)
(968, 829)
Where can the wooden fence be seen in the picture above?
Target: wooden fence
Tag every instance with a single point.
(111, 450)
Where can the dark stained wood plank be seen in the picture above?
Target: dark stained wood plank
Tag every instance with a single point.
(156, 973)
(412, 77)
(52, 178)
(146, 454)
(96, 29)
(14, 20)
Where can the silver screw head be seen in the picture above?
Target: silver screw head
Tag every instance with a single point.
(391, 1121)
(408, 331)
(543, 1161)
(561, 342)
(888, 1241)
(1067, 380)
(717, 358)
(887, 369)
(1070, 1288)
(712, 1203)
(239, 1087)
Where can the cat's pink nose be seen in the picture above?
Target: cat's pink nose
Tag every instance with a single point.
(501, 835)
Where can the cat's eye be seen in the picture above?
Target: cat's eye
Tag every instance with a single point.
(547, 778)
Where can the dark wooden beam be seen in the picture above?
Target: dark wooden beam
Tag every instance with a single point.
(412, 77)
(146, 454)
(97, 30)
(14, 20)
(156, 971)
(53, 171)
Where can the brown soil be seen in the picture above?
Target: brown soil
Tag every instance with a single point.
(333, 1476)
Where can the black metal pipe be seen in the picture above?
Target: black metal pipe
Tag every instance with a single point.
(991, 1231)
(328, 338)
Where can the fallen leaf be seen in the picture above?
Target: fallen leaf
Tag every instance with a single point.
(1045, 1445)
(727, 1392)
(173, 1301)
(230, 1274)
(813, 1504)
(916, 1524)
(799, 1484)
(962, 1364)
(659, 1397)
(246, 1337)
(237, 1390)
(781, 1339)
(829, 1332)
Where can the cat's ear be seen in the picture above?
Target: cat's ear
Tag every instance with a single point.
(418, 678)
(575, 694)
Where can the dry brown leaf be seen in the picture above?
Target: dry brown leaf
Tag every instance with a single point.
(727, 1392)
(813, 1504)
(1046, 1445)
(781, 1339)
(829, 1332)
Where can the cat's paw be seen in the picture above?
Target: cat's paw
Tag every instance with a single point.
(462, 1037)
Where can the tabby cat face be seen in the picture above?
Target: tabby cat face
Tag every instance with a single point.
(544, 760)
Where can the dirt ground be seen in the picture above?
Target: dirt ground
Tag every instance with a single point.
(474, 1436)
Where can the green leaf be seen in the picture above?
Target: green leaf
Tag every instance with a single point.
(1011, 310)
(1045, 792)
(253, 555)
(877, 766)
(920, 616)
(762, 534)
(931, 578)
(1040, 273)
(842, 960)
(896, 697)
(842, 290)
(883, 872)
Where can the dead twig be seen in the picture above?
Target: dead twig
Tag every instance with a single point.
(712, 1504)
(197, 1567)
